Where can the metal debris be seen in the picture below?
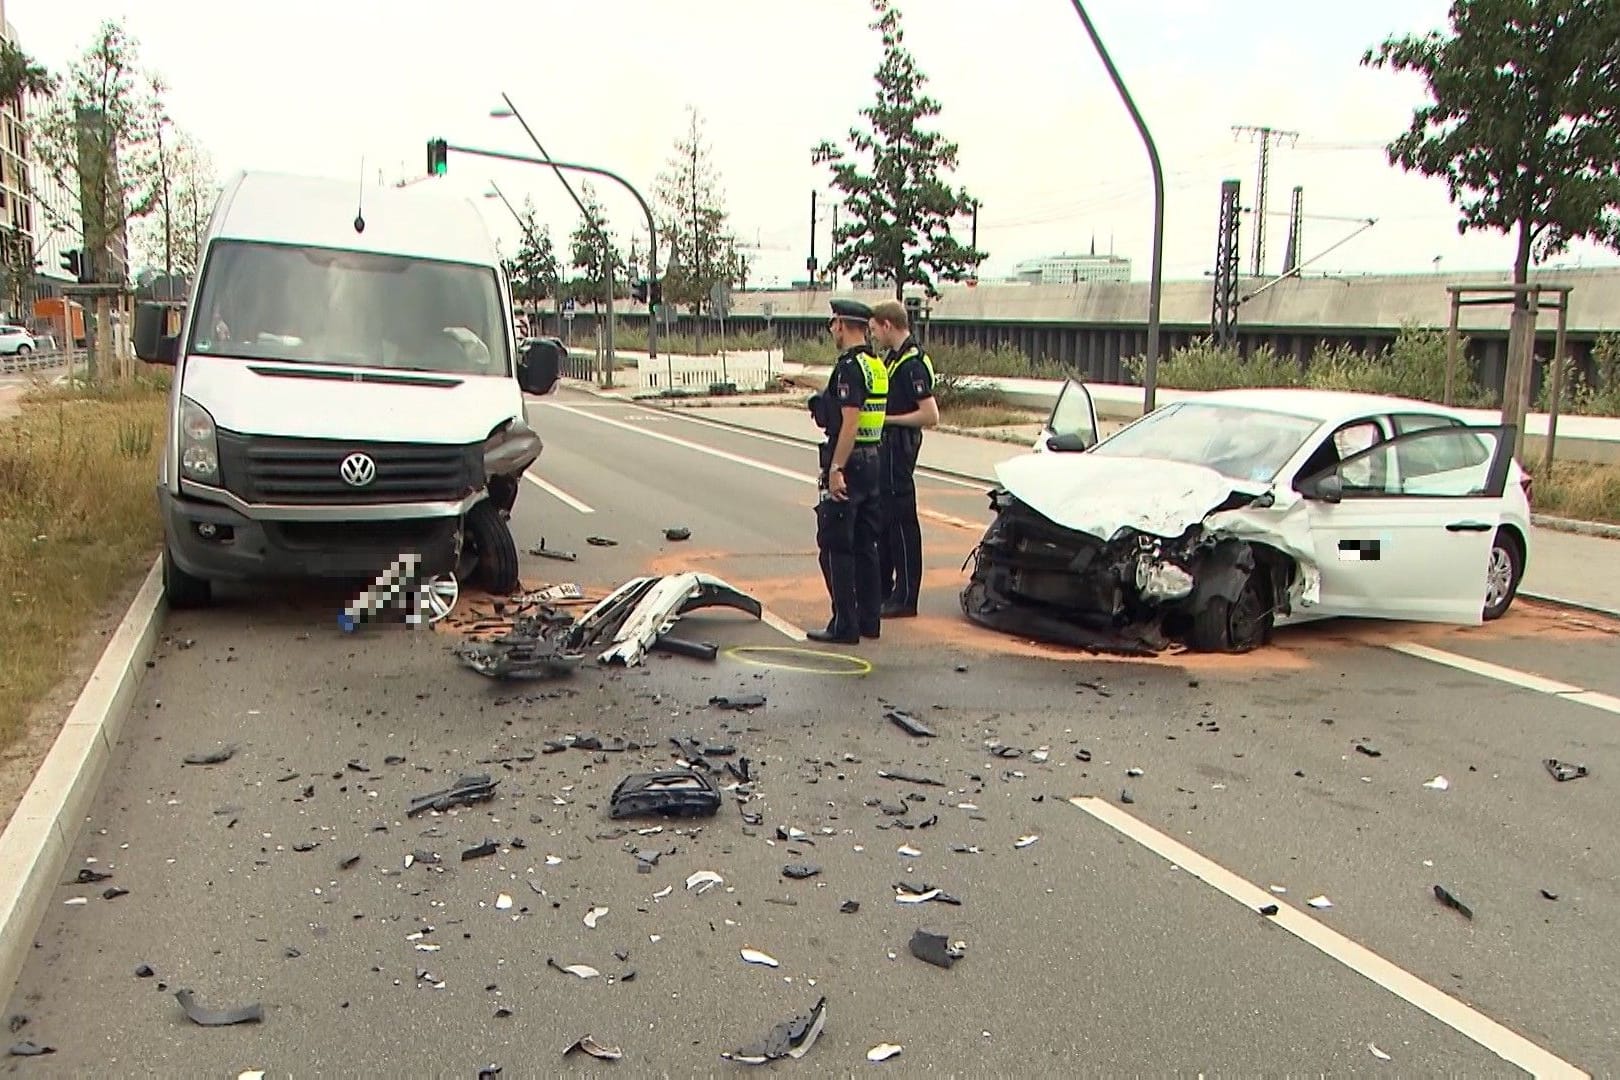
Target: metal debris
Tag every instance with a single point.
(526, 653)
(1563, 771)
(552, 553)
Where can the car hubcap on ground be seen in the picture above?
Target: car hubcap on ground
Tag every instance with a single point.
(1499, 579)
(439, 597)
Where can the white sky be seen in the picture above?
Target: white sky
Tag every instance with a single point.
(1045, 143)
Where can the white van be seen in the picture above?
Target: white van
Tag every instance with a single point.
(348, 389)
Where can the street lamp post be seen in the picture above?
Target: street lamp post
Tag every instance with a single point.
(593, 170)
(511, 110)
(1150, 374)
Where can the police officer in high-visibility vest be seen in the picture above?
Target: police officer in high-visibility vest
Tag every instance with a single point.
(848, 514)
(911, 408)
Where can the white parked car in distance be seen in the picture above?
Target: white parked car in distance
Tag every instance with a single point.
(1213, 518)
(16, 341)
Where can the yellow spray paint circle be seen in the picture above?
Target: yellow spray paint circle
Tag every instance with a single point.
(808, 661)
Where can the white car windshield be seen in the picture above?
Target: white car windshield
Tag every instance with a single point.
(321, 305)
(1243, 444)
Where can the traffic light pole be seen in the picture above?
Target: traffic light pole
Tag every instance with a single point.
(652, 226)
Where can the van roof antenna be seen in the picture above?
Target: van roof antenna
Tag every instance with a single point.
(360, 201)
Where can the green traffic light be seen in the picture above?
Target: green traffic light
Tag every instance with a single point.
(439, 168)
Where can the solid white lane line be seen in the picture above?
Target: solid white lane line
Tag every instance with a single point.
(783, 627)
(782, 440)
(947, 519)
(557, 493)
(1512, 676)
(1506, 1044)
(737, 459)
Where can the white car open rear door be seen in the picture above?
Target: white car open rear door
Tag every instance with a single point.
(1404, 530)
(1074, 416)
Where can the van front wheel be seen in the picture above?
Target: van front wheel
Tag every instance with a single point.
(489, 557)
(180, 589)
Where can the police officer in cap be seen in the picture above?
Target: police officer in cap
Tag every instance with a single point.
(911, 408)
(848, 515)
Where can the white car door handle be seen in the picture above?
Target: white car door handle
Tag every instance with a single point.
(1468, 526)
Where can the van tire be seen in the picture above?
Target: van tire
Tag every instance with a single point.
(180, 589)
(494, 556)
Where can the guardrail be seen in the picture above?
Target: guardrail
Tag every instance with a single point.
(17, 363)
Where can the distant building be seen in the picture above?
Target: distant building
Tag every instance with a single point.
(1072, 269)
(16, 205)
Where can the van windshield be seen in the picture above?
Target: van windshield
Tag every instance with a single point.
(321, 305)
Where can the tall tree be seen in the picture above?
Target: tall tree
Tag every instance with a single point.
(98, 134)
(535, 272)
(1523, 122)
(692, 207)
(171, 237)
(592, 251)
(21, 76)
(900, 207)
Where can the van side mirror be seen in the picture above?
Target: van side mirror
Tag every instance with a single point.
(152, 343)
(1328, 489)
(1070, 442)
(540, 365)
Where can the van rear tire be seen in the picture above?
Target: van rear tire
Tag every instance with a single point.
(182, 590)
(494, 555)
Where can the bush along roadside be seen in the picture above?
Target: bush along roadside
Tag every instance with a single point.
(78, 522)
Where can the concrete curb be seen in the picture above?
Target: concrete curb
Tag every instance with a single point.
(1598, 529)
(36, 845)
(1572, 605)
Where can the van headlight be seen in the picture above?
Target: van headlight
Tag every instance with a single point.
(199, 444)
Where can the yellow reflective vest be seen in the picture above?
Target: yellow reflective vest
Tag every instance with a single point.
(869, 431)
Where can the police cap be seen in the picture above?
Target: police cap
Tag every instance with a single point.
(852, 310)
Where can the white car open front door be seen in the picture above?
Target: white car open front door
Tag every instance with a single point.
(1073, 419)
(1404, 530)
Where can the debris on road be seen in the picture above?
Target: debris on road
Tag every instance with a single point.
(1548, 894)
(87, 876)
(1562, 771)
(883, 1052)
(704, 880)
(849, 907)
(480, 851)
(552, 553)
(464, 792)
(503, 902)
(588, 1045)
(754, 956)
(601, 541)
(29, 1049)
(1445, 896)
(1026, 841)
(204, 1017)
(211, 757)
(1377, 1053)
(669, 792)
(1368, 749)
(909, 778)
(792, 1038)
(1268, 910)
(1439, 783)
(582, 971)
(739, 703)
(144, 971)
(800, 871)
(593, 915)
(627, 622)
(936, 949)
(908, 893)
(910, 724)
(526, 653)
(678, 533)
(1321, 903)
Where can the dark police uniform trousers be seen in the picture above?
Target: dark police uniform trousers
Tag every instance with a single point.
(911, 380)
(848, 531)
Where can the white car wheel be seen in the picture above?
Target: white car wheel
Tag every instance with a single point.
(439, 597)
(1502, 575)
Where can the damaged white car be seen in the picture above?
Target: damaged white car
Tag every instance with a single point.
(1215, 518)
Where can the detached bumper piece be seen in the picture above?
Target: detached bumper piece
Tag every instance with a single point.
(671, 793)
(635, 616)
(792, 1038)
(519, 656)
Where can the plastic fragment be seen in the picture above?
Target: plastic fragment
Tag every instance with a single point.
(1369, 750)
(29, 1049)
(348, 862)
(144, 971)
(114, 892)
(792, 1038)
(800, 871)
(908, 851)
(1268, 910)
(1445, 896)
(909, 778)
(1563, 770)
(88, 876)
(1026, 841)
(738, 703)
(704, 880)
(583, 971)
(910, 724)
(205, 1017)
(464, 792)
(883, 1052)
(1439, 783)
(1377, 1053)
(936, 949)
(481, 851)
(754, 956)
(593, 915)
(677, 533)
(849, 907)
(1320, 902)
(601, 541)
(588, 1045)
(503, 902)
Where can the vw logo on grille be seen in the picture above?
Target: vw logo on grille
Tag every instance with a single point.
(358, 470)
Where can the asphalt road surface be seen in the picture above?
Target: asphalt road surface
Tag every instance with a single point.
(1126, 937)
